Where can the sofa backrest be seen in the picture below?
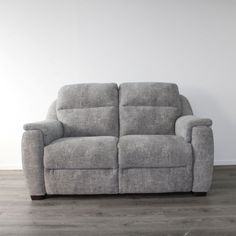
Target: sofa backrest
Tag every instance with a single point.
(88, 109)
(148, 108)
(185, 107)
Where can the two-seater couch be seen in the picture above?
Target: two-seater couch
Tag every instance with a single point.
(105, 139)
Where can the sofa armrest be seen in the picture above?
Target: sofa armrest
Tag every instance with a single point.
(32, 148)
(51, 129)
(184, 125)
(198, 131)
(203, 158)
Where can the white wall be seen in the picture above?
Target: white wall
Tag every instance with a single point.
(45, 44)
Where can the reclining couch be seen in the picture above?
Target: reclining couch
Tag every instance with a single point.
(101, 139)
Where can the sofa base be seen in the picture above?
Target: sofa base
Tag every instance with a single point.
(81, 182)
(155, 180)
(199, 194)
(37, 197)
(120, 195)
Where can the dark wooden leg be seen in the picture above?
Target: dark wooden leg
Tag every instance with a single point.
(200, 194)
(37, 197)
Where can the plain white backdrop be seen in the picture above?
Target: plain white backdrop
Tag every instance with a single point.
(45, 44)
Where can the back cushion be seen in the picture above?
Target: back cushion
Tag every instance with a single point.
(88, 109)
(148, 108)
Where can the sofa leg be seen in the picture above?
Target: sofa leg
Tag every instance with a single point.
(37, 197)
(200, 194)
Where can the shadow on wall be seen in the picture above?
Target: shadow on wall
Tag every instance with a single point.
(204, 105)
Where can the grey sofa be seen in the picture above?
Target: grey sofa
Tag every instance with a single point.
(101, 139)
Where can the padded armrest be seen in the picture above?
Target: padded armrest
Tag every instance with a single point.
(51, 129)
(185, 124)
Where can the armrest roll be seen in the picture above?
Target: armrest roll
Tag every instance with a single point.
(51, 129)
(185, 124)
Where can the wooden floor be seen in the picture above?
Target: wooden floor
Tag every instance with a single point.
(175, 214)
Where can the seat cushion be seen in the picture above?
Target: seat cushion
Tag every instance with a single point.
(88, 109)
(81, 153)
(141, 151)
(148, 108)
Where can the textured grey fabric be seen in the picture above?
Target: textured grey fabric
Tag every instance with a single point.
(154, 151)
(148, 108)
(162, 147)
(51, 129)
(81, 153)
(155, 180)
(185, 124)
(185, 105)
(52, 113)
(88, 109)
(147, 120)
(149, 94)
(100, 181)
(32, 161)
(203, 152)
(101, 121)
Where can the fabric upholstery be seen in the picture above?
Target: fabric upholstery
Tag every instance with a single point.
(100, 181)
(81, 153)
(32, 161)
(139, 151)
(88, 109)
(203, 153)
(51, 129)
(52, 113)
(155, 180)
(96, 139)
(185, 124)
(185, 106)
(148, 108)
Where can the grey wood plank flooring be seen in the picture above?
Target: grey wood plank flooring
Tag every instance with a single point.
(155, 214)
